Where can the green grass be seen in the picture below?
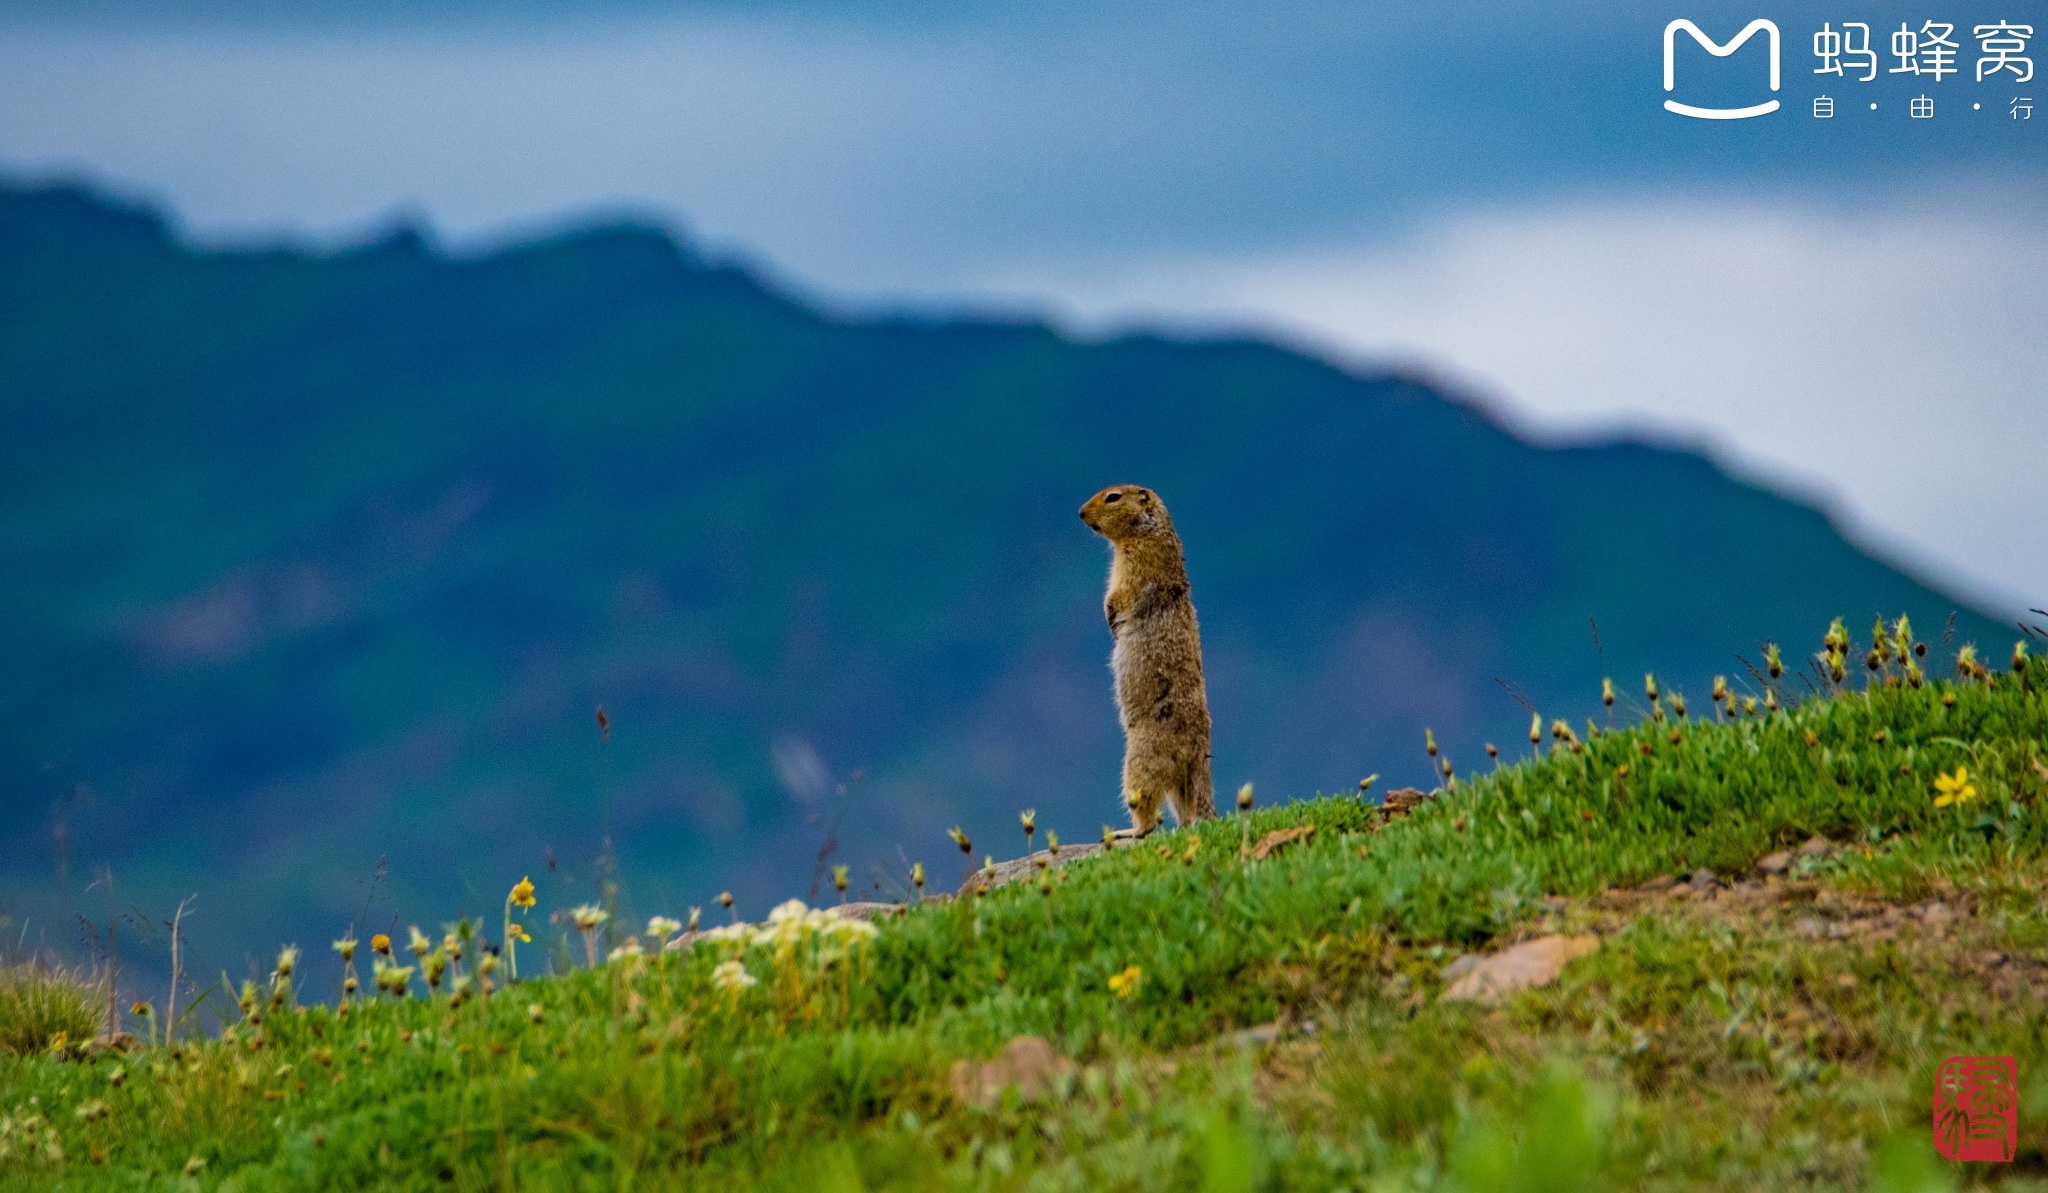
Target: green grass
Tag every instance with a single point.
(40, 1003)
(1722, 1044)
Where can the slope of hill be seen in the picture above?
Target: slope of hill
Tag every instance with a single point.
(312, 561)
(1782, 926)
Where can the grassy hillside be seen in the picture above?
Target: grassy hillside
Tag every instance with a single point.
(308, 561)
(1744, 1028)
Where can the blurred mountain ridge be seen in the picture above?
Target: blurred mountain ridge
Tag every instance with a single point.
(312, 560)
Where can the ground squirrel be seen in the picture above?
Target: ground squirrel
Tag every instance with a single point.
(1157, 660)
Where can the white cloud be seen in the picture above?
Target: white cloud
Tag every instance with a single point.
(1894, 364)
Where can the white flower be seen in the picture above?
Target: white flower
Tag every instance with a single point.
(731, 975)
(629, 949)
(661, 927)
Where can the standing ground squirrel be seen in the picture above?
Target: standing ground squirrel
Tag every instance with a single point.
(1157, 660)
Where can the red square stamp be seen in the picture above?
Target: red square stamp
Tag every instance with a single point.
(1976, 1108)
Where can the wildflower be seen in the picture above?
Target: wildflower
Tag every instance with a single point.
(451, 944)
(346, 946)
(961, 839)
(2019, 656)
(381, 943)
(1749, 705)
(1607, 692)
(1365, 784)
(661, 927)
(349, 985)
(1650, 686)
(518, 933)
(629, 949)
(143, 1009)
(1029, 819)
(1125, 984)
(589, 916)
(725, 901)
(1720, 691)
(1493, 751)
(696, 916)
(1771, 699)
(1773, 661)
(534, 1013)
(732, 976)
(419, 944)
(1535, 730)
(1429, 741)
(1954, 789)
(1966, 661)
(1244, 798)
(917, 877)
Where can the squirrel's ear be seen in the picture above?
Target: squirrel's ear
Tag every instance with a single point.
(1144, 497)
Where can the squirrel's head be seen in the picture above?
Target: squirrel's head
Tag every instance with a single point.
(1126, 512)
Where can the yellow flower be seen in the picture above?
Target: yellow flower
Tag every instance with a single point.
(1953, 789)
(522, 894)
(346, 947)
(518, 932)
(380, 943)
(1125, 984)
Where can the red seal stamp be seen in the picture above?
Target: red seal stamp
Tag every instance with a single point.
(1976, 1108)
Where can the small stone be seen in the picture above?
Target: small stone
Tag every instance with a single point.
(1662, 882)
(1281, 838)
(1814, 847)
(1703, 880)
(1529, 964)
(1027, 1062)
(1810, 926)
(1775, 863)
(1460, 967)
(1253, 1037)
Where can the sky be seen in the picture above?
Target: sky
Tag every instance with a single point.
(1849, 309)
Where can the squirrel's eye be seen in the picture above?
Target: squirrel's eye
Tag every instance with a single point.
(1112, 498)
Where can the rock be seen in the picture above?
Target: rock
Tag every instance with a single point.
(1814, 847)
(1810, 926)
(1401, 801)
(1005, 873)
(1529, 964)
(120, 1041)
(1026, 1062)
(1662, 882)
(1460, 967)
(1703, 880)
(868, 911)
(1775, 863)
(1252, 1037)
(1279, 839)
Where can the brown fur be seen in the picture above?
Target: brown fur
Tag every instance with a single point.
(1157, 660)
